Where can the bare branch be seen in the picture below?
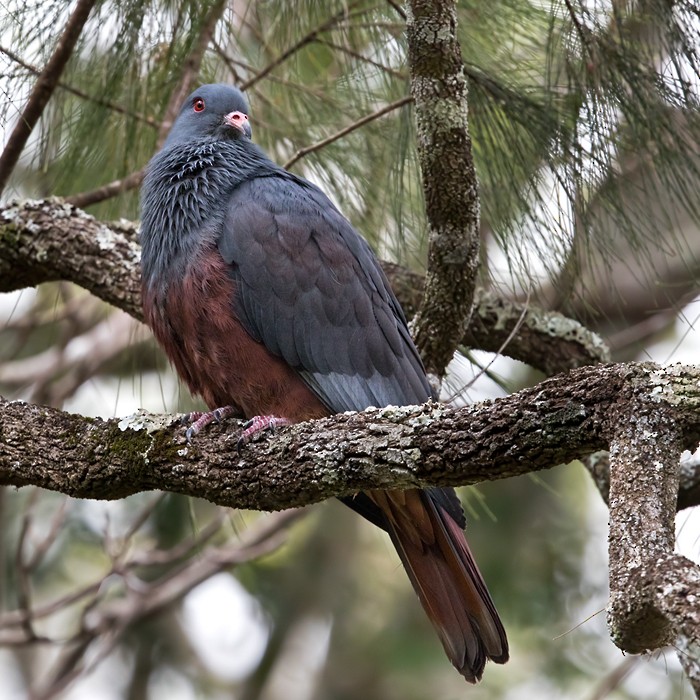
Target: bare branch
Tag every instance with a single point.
(111, 189)
(57, 372)
(113, 106)
(302, 152)
(612, 680)
(24, 598)
(105, 622)
(191, 70)
(48, 240)
(43, 89)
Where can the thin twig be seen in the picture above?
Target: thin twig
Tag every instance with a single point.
(398, 8)
(111, 189)
(233, 63)
(348, 129)
(17, 618)
(182, 550)
(485, 369)
(614, 678)
(43, 546)
(79, 93)
(43, 89)
(24, 596)
(141, 519)
(300, 44)
(580, 30)
(365, 59)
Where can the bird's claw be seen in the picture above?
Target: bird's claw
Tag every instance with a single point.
(190, 417)
(258, 424)
(200, 419)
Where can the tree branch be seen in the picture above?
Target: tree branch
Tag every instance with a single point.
(644, 413)
(439, 89)
(108, 104)
(561, 419)
(111, 189)
(598, 465)
(190, 70)
(303, 152)
(650, 586)
(47, 240)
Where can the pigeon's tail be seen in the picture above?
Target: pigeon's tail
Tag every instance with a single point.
(441, 567)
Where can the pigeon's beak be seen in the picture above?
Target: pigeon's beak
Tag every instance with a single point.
(238, 120)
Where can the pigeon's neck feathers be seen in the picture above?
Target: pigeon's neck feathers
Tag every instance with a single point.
(187, 183)
(184, 196)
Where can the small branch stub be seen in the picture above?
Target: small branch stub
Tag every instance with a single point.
(648, 582)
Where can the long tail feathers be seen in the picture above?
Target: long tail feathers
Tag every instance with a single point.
(436, 556)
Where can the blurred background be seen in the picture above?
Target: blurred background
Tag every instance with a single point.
(586, 139)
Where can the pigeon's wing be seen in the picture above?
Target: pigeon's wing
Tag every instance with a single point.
(309, 288)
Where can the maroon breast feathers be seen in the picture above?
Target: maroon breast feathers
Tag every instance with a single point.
(195, 322)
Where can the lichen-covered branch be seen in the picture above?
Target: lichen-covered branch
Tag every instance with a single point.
(598, 464)
(654, 593)
(439, 89)
(47, 240)
(561, 419)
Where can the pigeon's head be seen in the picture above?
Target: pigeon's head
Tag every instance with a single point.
(218, 111)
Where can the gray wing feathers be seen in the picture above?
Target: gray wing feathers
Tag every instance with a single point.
(309, 288)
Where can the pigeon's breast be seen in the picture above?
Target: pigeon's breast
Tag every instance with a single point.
(195, 322)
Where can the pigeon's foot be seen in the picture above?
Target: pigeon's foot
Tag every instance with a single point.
(258, 424)
(200, 419)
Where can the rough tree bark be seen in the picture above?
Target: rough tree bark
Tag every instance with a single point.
(439, 89)
(646, 414)
(555, 422)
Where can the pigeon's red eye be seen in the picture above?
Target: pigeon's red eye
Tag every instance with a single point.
(198, 105)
